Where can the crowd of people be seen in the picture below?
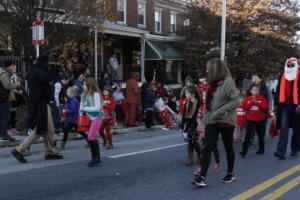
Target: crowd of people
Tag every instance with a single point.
(64, 100)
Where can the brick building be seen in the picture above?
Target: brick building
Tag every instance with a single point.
(143, 39)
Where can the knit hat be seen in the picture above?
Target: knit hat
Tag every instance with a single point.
(8, 63)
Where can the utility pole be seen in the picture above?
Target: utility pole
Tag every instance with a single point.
(223, 30)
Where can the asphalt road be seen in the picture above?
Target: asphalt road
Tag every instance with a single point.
(144, 165)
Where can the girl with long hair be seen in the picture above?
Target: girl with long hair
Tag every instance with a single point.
(91, 105)
(221, 103)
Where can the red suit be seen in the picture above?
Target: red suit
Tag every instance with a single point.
(109, 105)
(131, 99)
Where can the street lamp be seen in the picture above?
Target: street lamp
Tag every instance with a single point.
(223, 31)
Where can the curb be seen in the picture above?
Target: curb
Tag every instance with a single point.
(75, 136)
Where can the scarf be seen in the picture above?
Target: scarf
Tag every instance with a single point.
(210, 91)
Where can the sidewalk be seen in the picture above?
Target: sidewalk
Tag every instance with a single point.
(74, 136)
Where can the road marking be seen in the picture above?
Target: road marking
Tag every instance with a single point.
(282, 190)
(146, 151)
(268, 183)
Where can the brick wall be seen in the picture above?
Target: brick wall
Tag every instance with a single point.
(150, 16)
(165, 21)
(132, 13)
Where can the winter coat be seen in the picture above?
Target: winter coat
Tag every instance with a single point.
(72, 110)
(39, 97)
(223, 104)
(6, 85)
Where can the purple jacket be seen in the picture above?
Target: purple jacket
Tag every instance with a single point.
(72, 110)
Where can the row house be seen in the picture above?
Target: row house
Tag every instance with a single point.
(143, 37)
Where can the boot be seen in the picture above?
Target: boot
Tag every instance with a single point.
(110, 144)
(190, 154)
(95, 154)
(102, 134)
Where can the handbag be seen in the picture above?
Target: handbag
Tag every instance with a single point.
(83, 123)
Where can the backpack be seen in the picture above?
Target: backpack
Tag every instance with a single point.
(4, 94)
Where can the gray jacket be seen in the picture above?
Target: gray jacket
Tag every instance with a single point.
(7, 84)
(224, 103)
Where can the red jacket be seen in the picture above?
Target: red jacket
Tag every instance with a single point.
(109, 105)
(182, 101)
(241, 116)
(256, 111)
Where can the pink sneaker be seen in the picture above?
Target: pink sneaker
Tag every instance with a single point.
(197, 171)
(217, 168)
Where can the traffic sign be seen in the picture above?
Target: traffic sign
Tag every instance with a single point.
(38, 35)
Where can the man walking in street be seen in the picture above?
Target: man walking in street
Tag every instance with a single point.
(6, 97)
(287, 107)
(132, 99)
(39, 112)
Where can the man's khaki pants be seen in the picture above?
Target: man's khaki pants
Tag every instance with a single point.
(48, 137)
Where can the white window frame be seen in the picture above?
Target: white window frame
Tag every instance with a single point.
(175, 20)
(125, 12)
(160, 21)
(145, 8)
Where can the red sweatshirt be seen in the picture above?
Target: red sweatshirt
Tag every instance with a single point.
(256, 111)
(241, 116)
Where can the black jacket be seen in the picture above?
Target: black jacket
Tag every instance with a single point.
(190, 124)
(39, 97)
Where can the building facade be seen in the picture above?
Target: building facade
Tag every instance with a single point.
(143, 37)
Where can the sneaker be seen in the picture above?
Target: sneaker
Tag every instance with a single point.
(53, 157)
(165, 129)
(294, 154)
(260, 151)
(199, 181)
(18, 156)
(278, 155)
(228, 178)
(29, 132)
(15, 131)
(197, 171)
(217, 168)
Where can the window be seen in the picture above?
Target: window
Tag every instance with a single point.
(121, 11)
(142, 15)
(157, 21)
(172, 23)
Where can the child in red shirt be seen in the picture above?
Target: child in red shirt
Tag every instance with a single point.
(256, 106)
(109, 105)
(241, 118)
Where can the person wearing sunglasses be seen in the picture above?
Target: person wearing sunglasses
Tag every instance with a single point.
(287, 108)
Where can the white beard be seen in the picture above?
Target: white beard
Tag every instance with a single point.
(290, 73)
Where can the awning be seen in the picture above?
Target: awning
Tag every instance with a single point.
(162, 51)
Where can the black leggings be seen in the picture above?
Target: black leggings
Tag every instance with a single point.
(216, 153)
(210, 143)
(68, 128)
(260, 128)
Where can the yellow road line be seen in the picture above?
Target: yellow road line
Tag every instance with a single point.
(282, 190)
(268, 183)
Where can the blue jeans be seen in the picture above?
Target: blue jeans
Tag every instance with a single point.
(4, 116)
(287, 113)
